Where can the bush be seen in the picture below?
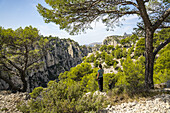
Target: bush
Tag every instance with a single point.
(162, 68)
(118, 53)
(91, 58)
(36, 92)
(109, 60)
(91, 103)
(109, 81)
(96, 63)
(103, 54)
(140, 47)
(63, 98)
(76, 73)
(103, 48)
(110, 47)
(132, 76)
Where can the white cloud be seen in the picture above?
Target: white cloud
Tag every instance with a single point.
(98, 34)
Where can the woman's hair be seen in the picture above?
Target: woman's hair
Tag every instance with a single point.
(100, 66)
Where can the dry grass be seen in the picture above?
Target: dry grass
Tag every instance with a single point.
(124, 97)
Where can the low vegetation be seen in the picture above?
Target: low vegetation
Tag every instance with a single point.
(69, 93)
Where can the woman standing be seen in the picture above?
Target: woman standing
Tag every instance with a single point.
(100, 77)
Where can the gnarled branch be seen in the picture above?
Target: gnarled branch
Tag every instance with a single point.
(161, 46)
(161, 19)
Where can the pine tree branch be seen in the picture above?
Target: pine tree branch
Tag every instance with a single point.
(161, 19)
(161, 46)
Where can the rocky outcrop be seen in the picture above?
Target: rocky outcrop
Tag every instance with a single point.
(113, 40)
(62, 54)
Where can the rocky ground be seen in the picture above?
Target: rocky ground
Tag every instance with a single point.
(156, 104)
(9, 101)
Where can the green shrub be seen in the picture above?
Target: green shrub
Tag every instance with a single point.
(132, 76)
(162, 68)
(108, 81)
(103, 48)
(63, 98)
(96, 63)
(91, 103)
(110, 47)
(140, 47)
(109, 60)
(91, 58)
(103, 54)
(36, 92)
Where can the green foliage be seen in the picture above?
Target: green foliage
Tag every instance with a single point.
(133, 74)
(75, 16)
(91, 58)
(91, 103)
(109, 79)
(91, 84)
(162, 35)
(103, 48)
(134, 38)
(21, 51)
(84, 58)
(118, 53)
(103, 54)
(96, 63)
(125, 42)
(110, 47)
(66, 96)
(76, 73)
(124, 53)
(159, 37)
(36, 92)
(130, 50)
(140, 47)
(98, 55)
(109, 60)
(162, 68)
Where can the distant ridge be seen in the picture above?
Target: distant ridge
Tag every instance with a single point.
(92, 44)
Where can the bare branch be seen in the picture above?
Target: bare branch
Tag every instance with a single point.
(143, 13)
(119, 12)
(129, 3)
(161, 46)
(161, 19)
(141, 27)
(19, 69)
(7, 67)
(162, 27)
(33, 62)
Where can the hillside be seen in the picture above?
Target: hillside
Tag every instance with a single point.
(61, 55)
(75, 89)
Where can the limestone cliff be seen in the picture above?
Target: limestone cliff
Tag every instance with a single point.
(62, 54)
(113, 40)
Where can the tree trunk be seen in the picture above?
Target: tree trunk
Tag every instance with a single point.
(149, 59)
(24, 89)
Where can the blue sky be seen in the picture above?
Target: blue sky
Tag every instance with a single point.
(22, 13)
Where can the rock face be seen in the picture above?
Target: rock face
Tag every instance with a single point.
(113, 40)
(61, 56)
(157, 104)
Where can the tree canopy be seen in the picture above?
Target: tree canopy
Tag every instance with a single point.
(20, 52)
(76, 16)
